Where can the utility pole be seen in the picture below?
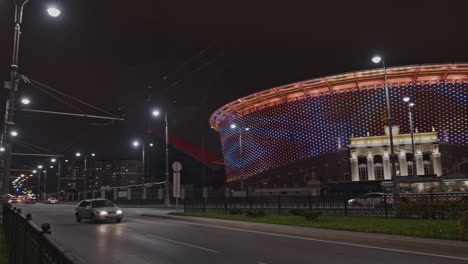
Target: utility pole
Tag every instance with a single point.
(167, 200)
(10, 103)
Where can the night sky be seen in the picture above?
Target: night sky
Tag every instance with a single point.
(199, 55)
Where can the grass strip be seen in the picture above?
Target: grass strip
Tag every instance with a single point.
(443, 229)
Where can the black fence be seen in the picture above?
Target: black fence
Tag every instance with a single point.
(373, 204)
(29, 244)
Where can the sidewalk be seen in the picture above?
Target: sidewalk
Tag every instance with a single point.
(372, 240)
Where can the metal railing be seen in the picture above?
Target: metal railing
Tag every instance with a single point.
(29, 244)
(378, 205)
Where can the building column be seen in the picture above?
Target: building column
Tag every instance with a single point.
(370, 168)
(436, 163)
(354, 169)
(94, 194)
(115, 194)
(129, 194)
(103, 194)
(144, 193)
(403, 165)
(387, 172)
(419, 164)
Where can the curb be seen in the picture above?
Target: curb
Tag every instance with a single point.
(306, 232)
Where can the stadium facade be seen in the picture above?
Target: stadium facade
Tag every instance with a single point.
(287, 125)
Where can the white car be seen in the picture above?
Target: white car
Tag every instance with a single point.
(98, 210)
(52, 201)
(372, 200)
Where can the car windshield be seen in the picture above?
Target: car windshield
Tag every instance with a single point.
(103, 203)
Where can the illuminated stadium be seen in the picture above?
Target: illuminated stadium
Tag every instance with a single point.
(294, 122)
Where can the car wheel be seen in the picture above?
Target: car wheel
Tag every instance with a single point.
(77, 218)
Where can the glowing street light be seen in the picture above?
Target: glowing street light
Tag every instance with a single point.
(34, 171)
(376, 59)
(14, 133)
(136, 143)
(25, 100)
(53, 160)
(2, 149)
(53, 11)
(40, 167)
(78, 154)
(93, 154)
(156, 112)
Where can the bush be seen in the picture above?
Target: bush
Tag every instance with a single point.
(312, 215)
(236, 211)
(298, 212)
(427, 210)
(463, 223)
(255, 212)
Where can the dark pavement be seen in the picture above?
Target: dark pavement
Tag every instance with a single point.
(145, 240)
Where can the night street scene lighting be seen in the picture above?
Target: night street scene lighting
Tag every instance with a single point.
(125, 125)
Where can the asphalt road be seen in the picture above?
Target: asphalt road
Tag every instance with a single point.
(144, 240)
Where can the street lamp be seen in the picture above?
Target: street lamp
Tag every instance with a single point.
(78, 154)
(378, 59)
(136, 144)
(13, 84)
(53, 11)
(25, 100)
(34, 171)
(14, 133)
(156, 113)
(410, 117)
(93, 154)
(53, 160)
(241, 165)
(2, 149)
(40, 167)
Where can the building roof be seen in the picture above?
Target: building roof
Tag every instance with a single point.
(366, 79)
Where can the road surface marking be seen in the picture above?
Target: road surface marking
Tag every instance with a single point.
(182, 243)
(321, 240)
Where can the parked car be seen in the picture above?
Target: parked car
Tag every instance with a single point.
(98, 210)
(52, 201)
(372, 200)
(30, 201)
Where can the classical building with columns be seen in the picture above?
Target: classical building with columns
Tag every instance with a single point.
(370, 156)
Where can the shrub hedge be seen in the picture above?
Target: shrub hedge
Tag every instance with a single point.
(255, 212)
(463, 223)
(431, 210)
(236, 211)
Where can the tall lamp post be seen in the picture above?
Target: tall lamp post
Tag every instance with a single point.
(396, 191)
(156, 113)
(13, 87)
(410, 117)
(136, 144)
(241, 165)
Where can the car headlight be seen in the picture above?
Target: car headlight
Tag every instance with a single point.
(119, 212)
(102, 212)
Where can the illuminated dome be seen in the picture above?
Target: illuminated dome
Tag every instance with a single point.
(308, 118)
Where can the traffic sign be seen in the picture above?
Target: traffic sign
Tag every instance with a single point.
(177, 166)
